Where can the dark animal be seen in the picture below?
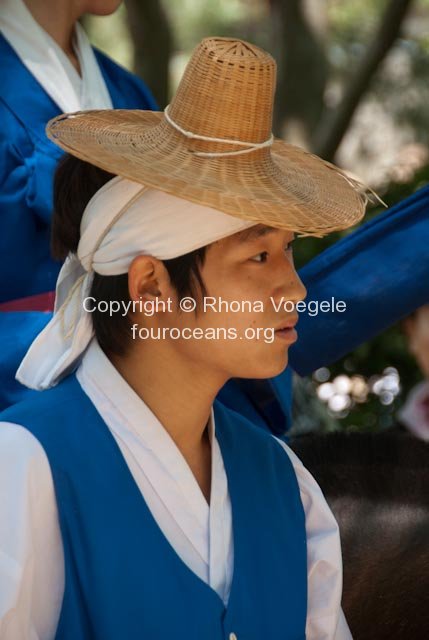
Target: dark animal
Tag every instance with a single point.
(377, 486)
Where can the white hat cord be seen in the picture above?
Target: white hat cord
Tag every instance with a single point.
(250, 146)
(124, 219)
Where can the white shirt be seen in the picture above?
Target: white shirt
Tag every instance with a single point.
(31, 552)
(49, 64)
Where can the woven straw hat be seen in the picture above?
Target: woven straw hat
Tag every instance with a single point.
(226, 94)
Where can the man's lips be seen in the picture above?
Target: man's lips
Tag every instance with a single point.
(286, 330)
(288, 323)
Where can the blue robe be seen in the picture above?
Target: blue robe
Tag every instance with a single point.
(123, 579)
(28, 162)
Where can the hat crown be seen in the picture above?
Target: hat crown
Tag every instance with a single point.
(227, 91)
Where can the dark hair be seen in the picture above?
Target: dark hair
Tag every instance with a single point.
(75, 183)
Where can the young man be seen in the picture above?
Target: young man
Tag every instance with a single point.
(143, 506)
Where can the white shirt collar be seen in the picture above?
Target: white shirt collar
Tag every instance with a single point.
(114, 388)
(137, 427)
(143, 439)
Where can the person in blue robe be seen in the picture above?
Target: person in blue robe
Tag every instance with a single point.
(27, 166)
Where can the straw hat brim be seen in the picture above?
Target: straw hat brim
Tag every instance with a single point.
(280, 186)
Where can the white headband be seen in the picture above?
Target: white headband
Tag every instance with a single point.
(124, 219)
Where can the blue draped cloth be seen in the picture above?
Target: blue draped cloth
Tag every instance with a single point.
(381, 272)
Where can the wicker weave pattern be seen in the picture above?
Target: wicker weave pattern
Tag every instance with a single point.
(227, 91)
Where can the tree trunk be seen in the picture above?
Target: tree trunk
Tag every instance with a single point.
(299, 28)
(153, 42)
(334, 125)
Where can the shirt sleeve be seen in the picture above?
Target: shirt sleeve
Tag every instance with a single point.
(325, 618)
(26, 177)
(31, 552)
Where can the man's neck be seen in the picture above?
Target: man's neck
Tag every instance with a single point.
(179, 393)
(57, 18)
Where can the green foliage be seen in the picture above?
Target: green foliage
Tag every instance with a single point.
(197, 19)
(354, 20)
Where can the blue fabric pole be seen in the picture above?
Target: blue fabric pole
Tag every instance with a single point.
(381, 271)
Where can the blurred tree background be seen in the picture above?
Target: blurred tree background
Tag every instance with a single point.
(352, 87)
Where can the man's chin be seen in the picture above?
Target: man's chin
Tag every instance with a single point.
(268, 369)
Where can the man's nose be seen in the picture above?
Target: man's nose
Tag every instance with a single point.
(292, 287)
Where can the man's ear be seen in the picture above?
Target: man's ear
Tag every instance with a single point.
(147, 278)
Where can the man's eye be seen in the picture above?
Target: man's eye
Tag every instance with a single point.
(263, 255)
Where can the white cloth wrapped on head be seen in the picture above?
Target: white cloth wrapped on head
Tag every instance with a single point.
(122, 220)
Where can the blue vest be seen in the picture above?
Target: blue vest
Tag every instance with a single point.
(123, 578)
